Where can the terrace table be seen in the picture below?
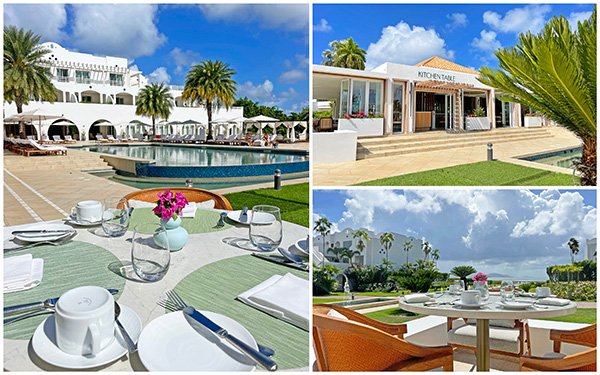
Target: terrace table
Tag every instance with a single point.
(228, 267)
(483, 315)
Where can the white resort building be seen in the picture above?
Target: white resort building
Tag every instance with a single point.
(97, 94)
(373, 254)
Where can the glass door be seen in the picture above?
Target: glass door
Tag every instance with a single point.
(345, 88)
(449, 111)
(397, 108)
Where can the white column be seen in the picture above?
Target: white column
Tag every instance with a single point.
(388, 107)
(492, 108)
(412, 105)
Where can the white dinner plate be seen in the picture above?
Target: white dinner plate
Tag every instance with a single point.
(470, 305)
(170, 343)
(515, 305)
(44, 344)
(39, 237)
(261, 217)
(300, 248)
(74, 221)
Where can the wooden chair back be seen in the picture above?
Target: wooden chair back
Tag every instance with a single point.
(326, 124)
(584, 336)
(191, 194)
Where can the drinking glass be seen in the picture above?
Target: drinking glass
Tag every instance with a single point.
(507, 291)
(458, 286)
(265, 227)
(149, 260)
(115, 216)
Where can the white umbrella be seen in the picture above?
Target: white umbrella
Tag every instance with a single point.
(260, 119)
(36, 114)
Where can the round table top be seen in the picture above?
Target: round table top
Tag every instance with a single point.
(200, 250)
(492, 310)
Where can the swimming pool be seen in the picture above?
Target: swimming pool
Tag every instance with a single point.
(560, 158)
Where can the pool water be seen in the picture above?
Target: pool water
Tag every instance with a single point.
(561, 158)
(199, 155)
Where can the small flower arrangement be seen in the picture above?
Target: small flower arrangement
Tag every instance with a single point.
(533, 114)
(480, 277)
(355, 115)
(169, 205)
(477, 112)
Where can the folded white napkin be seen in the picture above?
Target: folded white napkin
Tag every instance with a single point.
(554, 301)
(285, 297)
(134, 203)
(22, 272)
(189, 210)
(417, 298)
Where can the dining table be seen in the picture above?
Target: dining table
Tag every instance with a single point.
(212, 269)
(445, 305)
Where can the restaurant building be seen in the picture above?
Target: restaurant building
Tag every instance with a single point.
(435, 94)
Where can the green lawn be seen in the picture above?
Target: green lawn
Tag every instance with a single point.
(326, 300)
(587, 316)
(495, 173)
(291, 199)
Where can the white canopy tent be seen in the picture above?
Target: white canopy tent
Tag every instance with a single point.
(262, 120)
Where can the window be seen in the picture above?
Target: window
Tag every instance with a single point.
(86, 99)
(120, 100)
(62, 75)
(366, 98)
(82, 76)
(397, 108)
(358, 96)
(344, 97)
(347, 244)
(116, 79)
(375, 94)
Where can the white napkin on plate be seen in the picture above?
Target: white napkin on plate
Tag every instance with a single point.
(418, 298)
(285, 297)
(554, 301)
(22, 272)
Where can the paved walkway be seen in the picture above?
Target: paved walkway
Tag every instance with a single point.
(350, 173)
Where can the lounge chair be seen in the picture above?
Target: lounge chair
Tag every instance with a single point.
(57, 139)
(229, 140)
(121, 139)
(31, 137)
(556, 361)
(257, 140)
(69, 139)
(45, 139)
(111, 138)
(100, 138)
(240, 139)
(201, 136)
(43, 149)
(345, 340)
(188, 138)
(191, 194)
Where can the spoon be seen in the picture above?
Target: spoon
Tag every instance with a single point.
(131, 346)
(52, 243)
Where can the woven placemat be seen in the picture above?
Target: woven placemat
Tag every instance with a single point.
(214, 288)
(203, 222)
(65, 267)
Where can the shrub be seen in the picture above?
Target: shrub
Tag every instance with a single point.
(321, 114)
(324, 281)
(417, 277)
(367, 278)
(579, 291)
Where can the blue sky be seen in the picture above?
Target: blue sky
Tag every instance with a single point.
(267, 45)
(513, 232)
(409, 33)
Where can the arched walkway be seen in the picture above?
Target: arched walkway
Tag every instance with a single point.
(103, 127)
(62, 128)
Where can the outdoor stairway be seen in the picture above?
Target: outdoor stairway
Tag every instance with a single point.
(75, 160)
(439, 140)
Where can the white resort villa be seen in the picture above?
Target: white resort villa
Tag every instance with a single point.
(97, 95)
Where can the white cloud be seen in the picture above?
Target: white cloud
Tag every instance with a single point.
(575, 17)
(183, 59)
(297, 70)
(457, 20)
(159, 75)
(291, 17)
(529, 18)
(487, 44)
(262, 92)
(46, 20)
(316, 216)
(127, 30)
(322, 27)
(406, 45)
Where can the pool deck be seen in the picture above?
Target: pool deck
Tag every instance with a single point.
(41, 188)
(350, 173)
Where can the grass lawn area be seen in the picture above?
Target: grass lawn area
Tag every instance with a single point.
(587, 316)
(371, 294)
(326, 300)
(485, 173)
(393, 316)
(291, 199)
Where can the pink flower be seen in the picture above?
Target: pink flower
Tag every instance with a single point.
(480, 276)
(168, 205)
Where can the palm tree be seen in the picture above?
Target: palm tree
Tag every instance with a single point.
(323, 227)
(26, 76)
(154, 101)
(463, 272)
(362, 236)
(336, 251)
(426, 250)
(348, 253)
(554, 72)
(345, 54)
(210, 83)
(435, 255)
(574, 248)
(407, 248)
(386, 239)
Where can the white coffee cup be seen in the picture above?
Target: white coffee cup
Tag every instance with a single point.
(85, 320)
(87, 211)
(470, 297)
(542, 291)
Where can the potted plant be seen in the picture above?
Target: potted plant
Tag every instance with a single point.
(168, 209)
(533, 120)
(362, 123)
(477, 120)
(480, 283)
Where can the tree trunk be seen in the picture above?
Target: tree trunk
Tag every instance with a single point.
(22, 134)
(153, 128)
(209, 113)
(587, 166)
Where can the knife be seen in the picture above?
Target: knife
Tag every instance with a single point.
(246, 349)
(281, 261)
(42, 231)
(50, 303)
(244, 215)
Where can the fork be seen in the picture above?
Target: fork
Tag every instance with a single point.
(52, 243)
(174, 302)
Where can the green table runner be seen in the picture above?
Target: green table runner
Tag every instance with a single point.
(214, 288)
(65, 267)
(203, 222)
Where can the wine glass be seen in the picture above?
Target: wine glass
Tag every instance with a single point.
(266, 230)
(150, 261)
(115, 216)
(507, 291)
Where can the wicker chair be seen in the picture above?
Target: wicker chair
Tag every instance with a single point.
(582, 361)
(349, 341)
(191, 194)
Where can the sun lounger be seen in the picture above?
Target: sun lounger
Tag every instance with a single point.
(257, 140)
(69, 139)
(100, 138)
(36, 148)
(229, 140)
(57, 139)
(111, 138)
(121, 139)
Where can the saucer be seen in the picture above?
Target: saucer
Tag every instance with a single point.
(44, 343)
(515, 305)
(170, 343)
(470, 305)
(74, 221)
(300, 248)
(41, 237)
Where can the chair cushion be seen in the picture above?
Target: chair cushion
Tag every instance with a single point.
(502, 339)
(554, 355)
